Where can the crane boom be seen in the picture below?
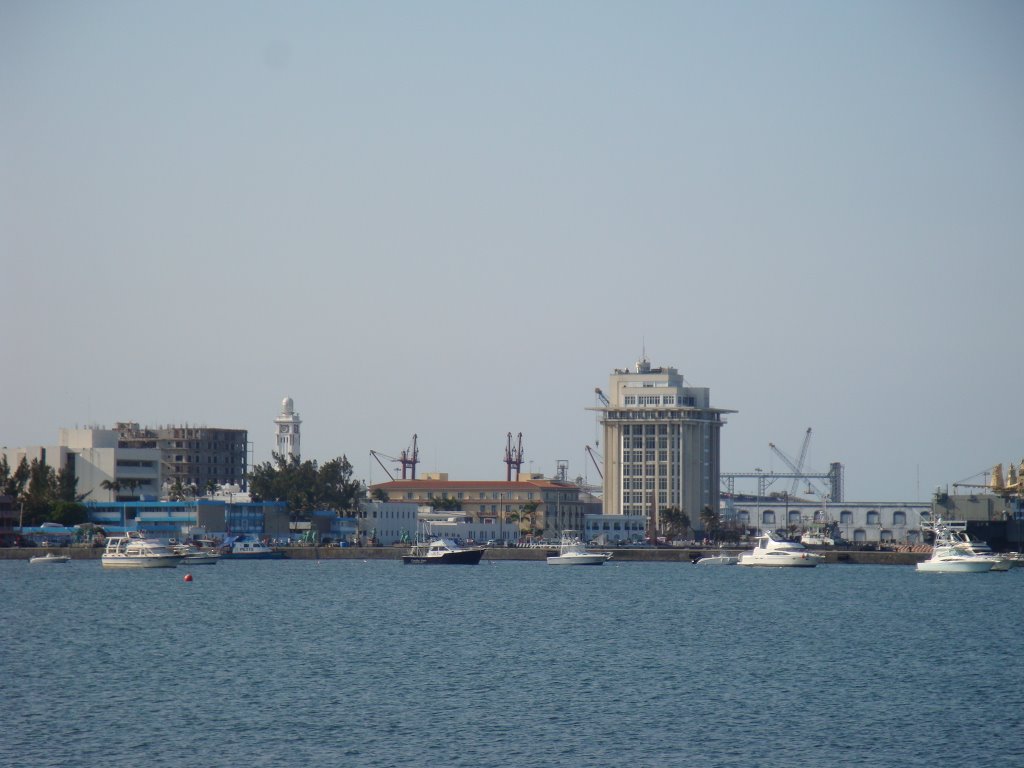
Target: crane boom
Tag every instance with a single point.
(800, 461)
(590, 452)
(793, 468)
(377, 457)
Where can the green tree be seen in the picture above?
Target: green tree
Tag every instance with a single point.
(69, 513)
(177, 491)
(379, 494)
(710, 521)
(448, 503)
(39, 495)
(14, 482)
(131, 485)
(113, 486)
(307, 486)
(674, 522)
(67, 486)
(528, 513)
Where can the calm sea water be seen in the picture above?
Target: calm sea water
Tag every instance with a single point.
(352, 663)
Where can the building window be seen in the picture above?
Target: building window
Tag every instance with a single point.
(873, 518)
(899, 518)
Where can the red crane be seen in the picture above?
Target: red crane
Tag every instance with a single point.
(409, 458)
(513, 457)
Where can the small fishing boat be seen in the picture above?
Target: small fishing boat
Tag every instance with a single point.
(949, 555)
(441, 551)
(192, 555)
(48, 558)
(572, 551)
(249, 548)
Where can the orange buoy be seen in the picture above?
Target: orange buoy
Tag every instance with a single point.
(188, 577)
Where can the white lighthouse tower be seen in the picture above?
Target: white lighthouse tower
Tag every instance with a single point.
(287, 428)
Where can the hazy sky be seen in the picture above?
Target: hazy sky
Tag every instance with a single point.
(455, 219)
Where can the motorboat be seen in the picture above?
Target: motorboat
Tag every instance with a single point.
(771, 550)
(949, 559)
(192, 555)
(438, 550)
(963, 541)
(720, 559)
(48, 558)
(817, 539)
(134, 550)
(248, 548)
(572, 551)
(949, 553)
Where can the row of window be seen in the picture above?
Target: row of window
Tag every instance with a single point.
(460, 495)
(686, 416)
(873, 517)
(658, 400)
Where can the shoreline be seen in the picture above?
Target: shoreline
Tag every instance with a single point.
(684, 555)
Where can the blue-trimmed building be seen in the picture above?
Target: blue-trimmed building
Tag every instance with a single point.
(176, 519)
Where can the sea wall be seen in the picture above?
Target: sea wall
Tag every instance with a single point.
(620, 554)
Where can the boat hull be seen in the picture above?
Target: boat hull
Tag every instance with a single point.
(49, 559)
(200, 559)
(718, 560)
(954, 566)
(158, 561)
(595, 559)
(780, 561)
(459, 557)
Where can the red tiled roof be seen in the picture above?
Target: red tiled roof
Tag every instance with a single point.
(472, 485)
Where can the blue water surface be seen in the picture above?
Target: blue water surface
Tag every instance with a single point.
(353, 663)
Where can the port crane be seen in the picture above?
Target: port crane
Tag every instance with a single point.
(408, 459)
(797, 467)
(593, 457)
(513, 457)
(603, 400)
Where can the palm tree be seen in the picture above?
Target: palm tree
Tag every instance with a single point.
(131, 484)
(111, 485)
(177, 491)
(710, 521)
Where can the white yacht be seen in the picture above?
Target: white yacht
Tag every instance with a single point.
(133, 550)
(771, 550)
(572, 551)
(950, 555)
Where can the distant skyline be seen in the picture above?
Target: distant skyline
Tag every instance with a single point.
(455, 219)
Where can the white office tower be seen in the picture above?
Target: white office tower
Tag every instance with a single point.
(661, 443)
(287, 428)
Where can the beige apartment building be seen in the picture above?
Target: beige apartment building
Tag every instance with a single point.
(661, 443)
(560, 505)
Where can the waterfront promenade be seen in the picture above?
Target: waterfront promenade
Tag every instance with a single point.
(621, 554)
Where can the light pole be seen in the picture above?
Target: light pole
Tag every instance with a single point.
(757, 503)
